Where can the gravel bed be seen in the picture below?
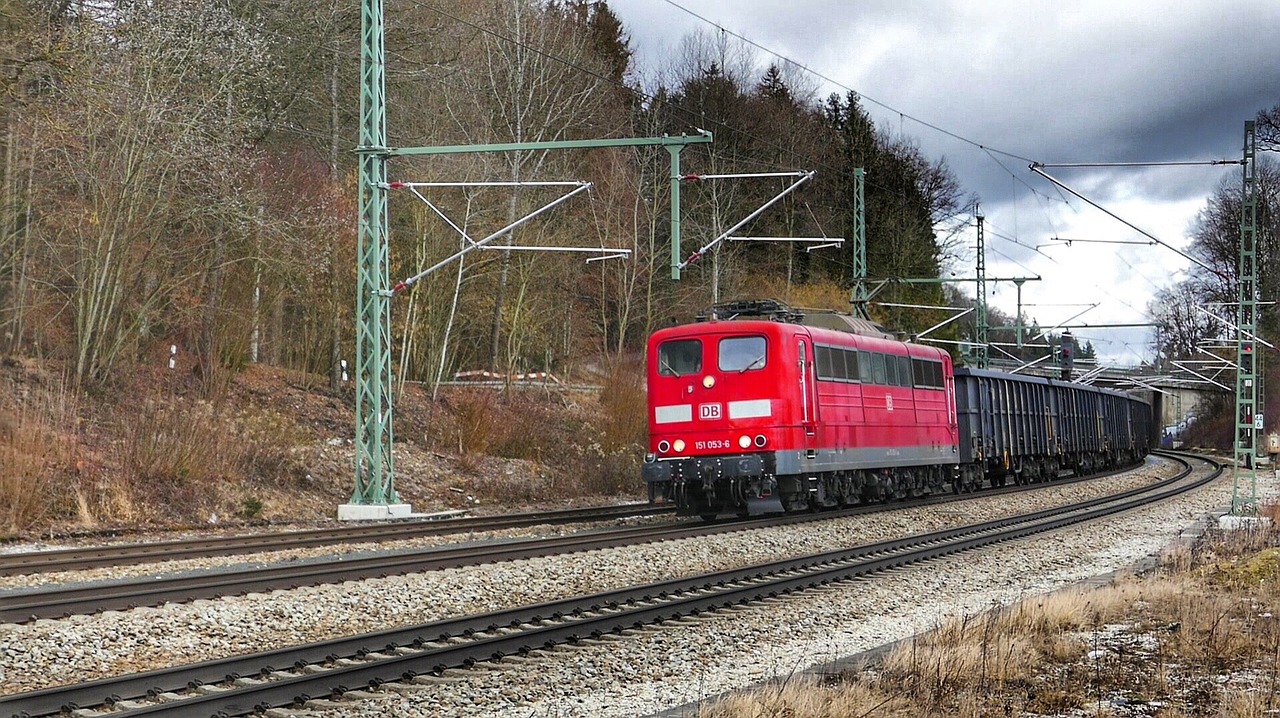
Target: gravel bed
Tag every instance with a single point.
(632, 676)
(180, 566)
(659, 669)
(166, 568)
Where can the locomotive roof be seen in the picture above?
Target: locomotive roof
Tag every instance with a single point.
(776, 311)
(869, 342)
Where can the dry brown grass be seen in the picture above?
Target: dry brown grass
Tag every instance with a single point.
(168, 447)
(582, 451)
(1199, 637)
(38, 455)
(807, 696)
(624, 408)
(196, 458)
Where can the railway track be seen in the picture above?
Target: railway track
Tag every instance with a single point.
(78, 599)
(76, 559)
(245, 684)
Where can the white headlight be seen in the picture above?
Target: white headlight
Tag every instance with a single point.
(744, 441)
(678, 445)
(708, 381)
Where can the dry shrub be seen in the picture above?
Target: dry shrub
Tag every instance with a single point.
(1240, 541)
(269, 444)
(534, 426)
(1176, 559)
(512, 424)
(187, 454)
(473, 416)
(624, 407)
(968, 656)
(1215, 426)
(1271, 512)
(1045, 617)
(23, 479)
(819, 294)
(38, 455)
(566, 442)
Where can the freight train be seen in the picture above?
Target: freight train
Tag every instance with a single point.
(761, 408)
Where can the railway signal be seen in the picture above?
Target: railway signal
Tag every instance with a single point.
(1066, 357)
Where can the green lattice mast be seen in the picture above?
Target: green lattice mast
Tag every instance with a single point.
(981, 355)
(1244, 493)
(861, 293)
(374, 468)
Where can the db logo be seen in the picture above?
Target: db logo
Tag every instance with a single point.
(888, 402)
(708, 411)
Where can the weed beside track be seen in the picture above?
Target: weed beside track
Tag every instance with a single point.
(1197, 636)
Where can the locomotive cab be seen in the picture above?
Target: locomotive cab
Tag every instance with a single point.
(717, 412)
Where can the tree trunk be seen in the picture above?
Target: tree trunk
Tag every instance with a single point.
(335, 242)
(448, 327)
(9, 228)
(208, 348)
(504, 275)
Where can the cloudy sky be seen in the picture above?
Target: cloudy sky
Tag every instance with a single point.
(1060, 82)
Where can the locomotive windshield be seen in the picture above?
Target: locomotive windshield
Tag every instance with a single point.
(680, 357)
(742, 353)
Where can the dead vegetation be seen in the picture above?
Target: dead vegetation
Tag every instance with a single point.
(1199, 636)
(168, 449)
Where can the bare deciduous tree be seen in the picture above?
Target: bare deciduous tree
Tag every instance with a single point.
(523, 83)
(1181, 325)
(146, 149)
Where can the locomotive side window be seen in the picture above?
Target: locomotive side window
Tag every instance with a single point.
(891, 370)
(680, 357)
(742, 353)
(836, 363)
(904, 371)
(927, 374)
(823, 357)
(878, 375)
(850, 364)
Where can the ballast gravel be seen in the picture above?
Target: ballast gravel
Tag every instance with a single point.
(655, 669)
(53, 578)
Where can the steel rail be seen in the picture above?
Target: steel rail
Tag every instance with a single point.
(135, 553)
(428, 648)
(79, 599)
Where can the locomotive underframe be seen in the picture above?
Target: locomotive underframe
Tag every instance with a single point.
(749, 484)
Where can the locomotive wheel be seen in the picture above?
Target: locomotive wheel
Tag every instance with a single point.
(709, 518)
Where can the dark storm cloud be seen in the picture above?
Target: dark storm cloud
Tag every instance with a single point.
(1089, 80)
(1066, 83)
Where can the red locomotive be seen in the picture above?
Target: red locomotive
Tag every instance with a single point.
(761, 408)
